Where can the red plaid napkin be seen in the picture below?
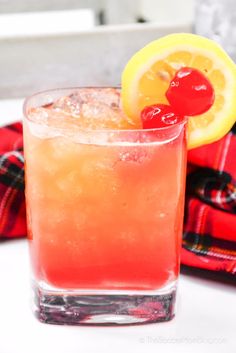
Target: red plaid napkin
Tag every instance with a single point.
(12, 201)
(209, 239)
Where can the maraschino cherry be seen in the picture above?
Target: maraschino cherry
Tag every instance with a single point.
(190, 92)
(159, 116)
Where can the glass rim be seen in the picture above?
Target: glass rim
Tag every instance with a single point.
(71, 88)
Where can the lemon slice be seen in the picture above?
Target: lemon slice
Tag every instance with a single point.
(148, 73)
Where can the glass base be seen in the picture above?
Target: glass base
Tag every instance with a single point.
(104, 308)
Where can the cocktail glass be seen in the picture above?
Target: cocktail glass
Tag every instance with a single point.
(104, 210)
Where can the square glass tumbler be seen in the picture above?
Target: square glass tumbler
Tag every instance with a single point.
(104, 211)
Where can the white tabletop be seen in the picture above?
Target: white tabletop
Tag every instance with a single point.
(205, 320)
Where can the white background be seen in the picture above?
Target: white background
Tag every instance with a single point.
(53, 48)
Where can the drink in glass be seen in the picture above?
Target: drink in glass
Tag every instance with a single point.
(104, 209)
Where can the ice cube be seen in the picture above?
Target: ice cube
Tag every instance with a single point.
(97, 115)
(72, 104)
(48, 123)
(38, 120)
(108, 96)
(69, 105)
(38, 115)
(95, 108)
(87, 108)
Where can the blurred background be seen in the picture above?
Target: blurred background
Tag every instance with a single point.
(47, 44)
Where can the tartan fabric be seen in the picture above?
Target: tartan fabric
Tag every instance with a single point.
(12, 202)
(209, 237)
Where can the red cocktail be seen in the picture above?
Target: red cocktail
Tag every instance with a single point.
(105, 209)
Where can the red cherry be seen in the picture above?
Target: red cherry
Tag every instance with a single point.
(159, 115)
(190, 92)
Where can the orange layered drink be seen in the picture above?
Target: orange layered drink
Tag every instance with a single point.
(105, 206)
